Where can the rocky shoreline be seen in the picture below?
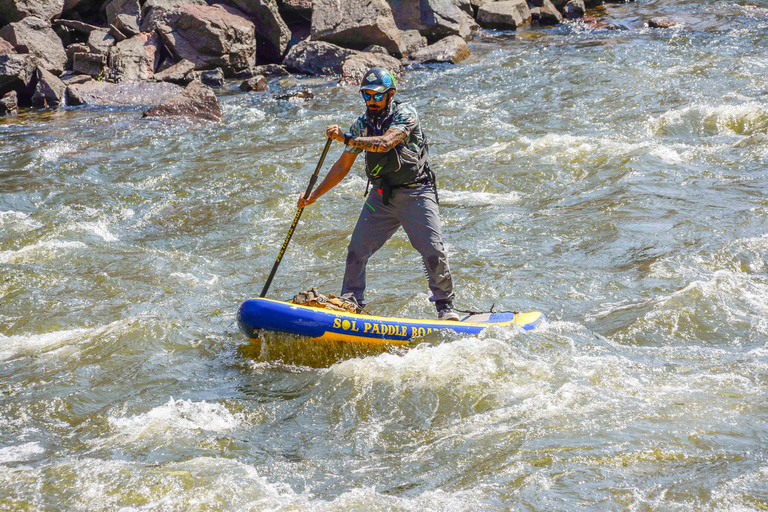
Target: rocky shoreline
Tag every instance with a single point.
(170, 53)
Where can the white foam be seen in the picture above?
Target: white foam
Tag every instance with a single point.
(19, 453)
(175, 417)
(745, 119)
(469, 198)
(39, 251)
(18, 221)
(100, 229)
(20, 345)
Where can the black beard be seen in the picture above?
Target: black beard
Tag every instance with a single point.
(375, 113)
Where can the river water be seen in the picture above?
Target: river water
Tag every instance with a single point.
(615, 180)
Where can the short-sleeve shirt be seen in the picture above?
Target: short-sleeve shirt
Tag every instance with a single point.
(404, 118)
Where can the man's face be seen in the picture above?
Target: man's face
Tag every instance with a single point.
(375, 101)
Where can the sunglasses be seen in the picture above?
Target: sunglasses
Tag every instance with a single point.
(376, 97)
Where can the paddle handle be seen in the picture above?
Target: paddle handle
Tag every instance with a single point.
(296, 218)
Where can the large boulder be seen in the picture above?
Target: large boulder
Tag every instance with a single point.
(100, 41)
(36, 37)
(504, 15)
(126, 94)
(356, 65)
(272, 33)
(545, 13)
(135, 59)
(355, 24)
(197, 102)
(17, 73)
(124, 16)
(167, 5)
(49, 90)
(434, 19)
(210, 36)
(178, 73)
(17, 10)
(317, 58)
(92, 64)
(451, 49)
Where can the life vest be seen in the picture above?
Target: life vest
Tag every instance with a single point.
(398, 166)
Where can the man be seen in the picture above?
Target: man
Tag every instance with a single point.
(403, 194)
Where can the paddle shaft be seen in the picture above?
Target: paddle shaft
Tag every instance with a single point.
(296, 218)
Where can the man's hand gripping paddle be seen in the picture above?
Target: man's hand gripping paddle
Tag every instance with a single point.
(312, 181)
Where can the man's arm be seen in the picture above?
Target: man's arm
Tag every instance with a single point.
(377, 144)
(338, 172)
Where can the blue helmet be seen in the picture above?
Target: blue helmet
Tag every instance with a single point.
(379, 80)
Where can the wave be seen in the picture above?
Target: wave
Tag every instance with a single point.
(706, 120)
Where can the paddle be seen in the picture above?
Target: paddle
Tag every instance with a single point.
(312, 181)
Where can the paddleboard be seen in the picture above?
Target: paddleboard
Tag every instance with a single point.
(260, 314)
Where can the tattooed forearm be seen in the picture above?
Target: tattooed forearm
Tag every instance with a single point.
(381, 143)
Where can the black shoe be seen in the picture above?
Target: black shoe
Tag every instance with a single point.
(445, 311)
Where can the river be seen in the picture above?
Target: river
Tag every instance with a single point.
(613, 179)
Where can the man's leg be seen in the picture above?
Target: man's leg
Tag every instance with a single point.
(376, 224)
(420, 217)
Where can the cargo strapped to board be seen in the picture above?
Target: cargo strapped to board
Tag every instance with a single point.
(315, 299)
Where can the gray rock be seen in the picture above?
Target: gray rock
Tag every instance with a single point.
(9, 104)
(270, 70)
(196, 102)
(36, 37)
(451, 49)
(100, 41)
(574, 9)
(304, 94)
(212, 78)
(374, 48)
(546, 14)
(434, 19)
(356, 65)
(272, 33)
(178, 73)
(317, 58)
(413, 41)
(167, 5)
(78, 26)
(661, 23)
(210, 36)
(127, 94)
(257, 83)
(75, 79)
(17, 10)
(135, 59)
(49, 91)
(91, 64)
(124, 16)
(356, 24)
(17, 72)
(504, 15)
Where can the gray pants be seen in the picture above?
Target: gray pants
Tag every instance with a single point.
(416, 210)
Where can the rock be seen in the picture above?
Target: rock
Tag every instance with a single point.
(434, 19)
(9, 104)
(413, 41)
(304, 94)
(272, 33)
(356, 24)
(167, 5)
(178, 73)
(504, 15)
(661, 23)
(574, 9)
(451, 49)
(316, 58)
(257, 83)
(135, 59)
(210, 36)
(100, 41)
(301, 7)
(356, 65)
(127, 94)
(17, 72)
(374, 48)
(591, 4)
(270, 70)
(75, 79)
(546, 14)
(79, 26)
(124, 16)
(36, 37)
(197, 101)
(17, 10)
(92, 64)
(212, 78)
(6, 48)
(49, 91)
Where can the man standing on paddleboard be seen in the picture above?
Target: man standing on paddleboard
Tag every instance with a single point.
(404, 191)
